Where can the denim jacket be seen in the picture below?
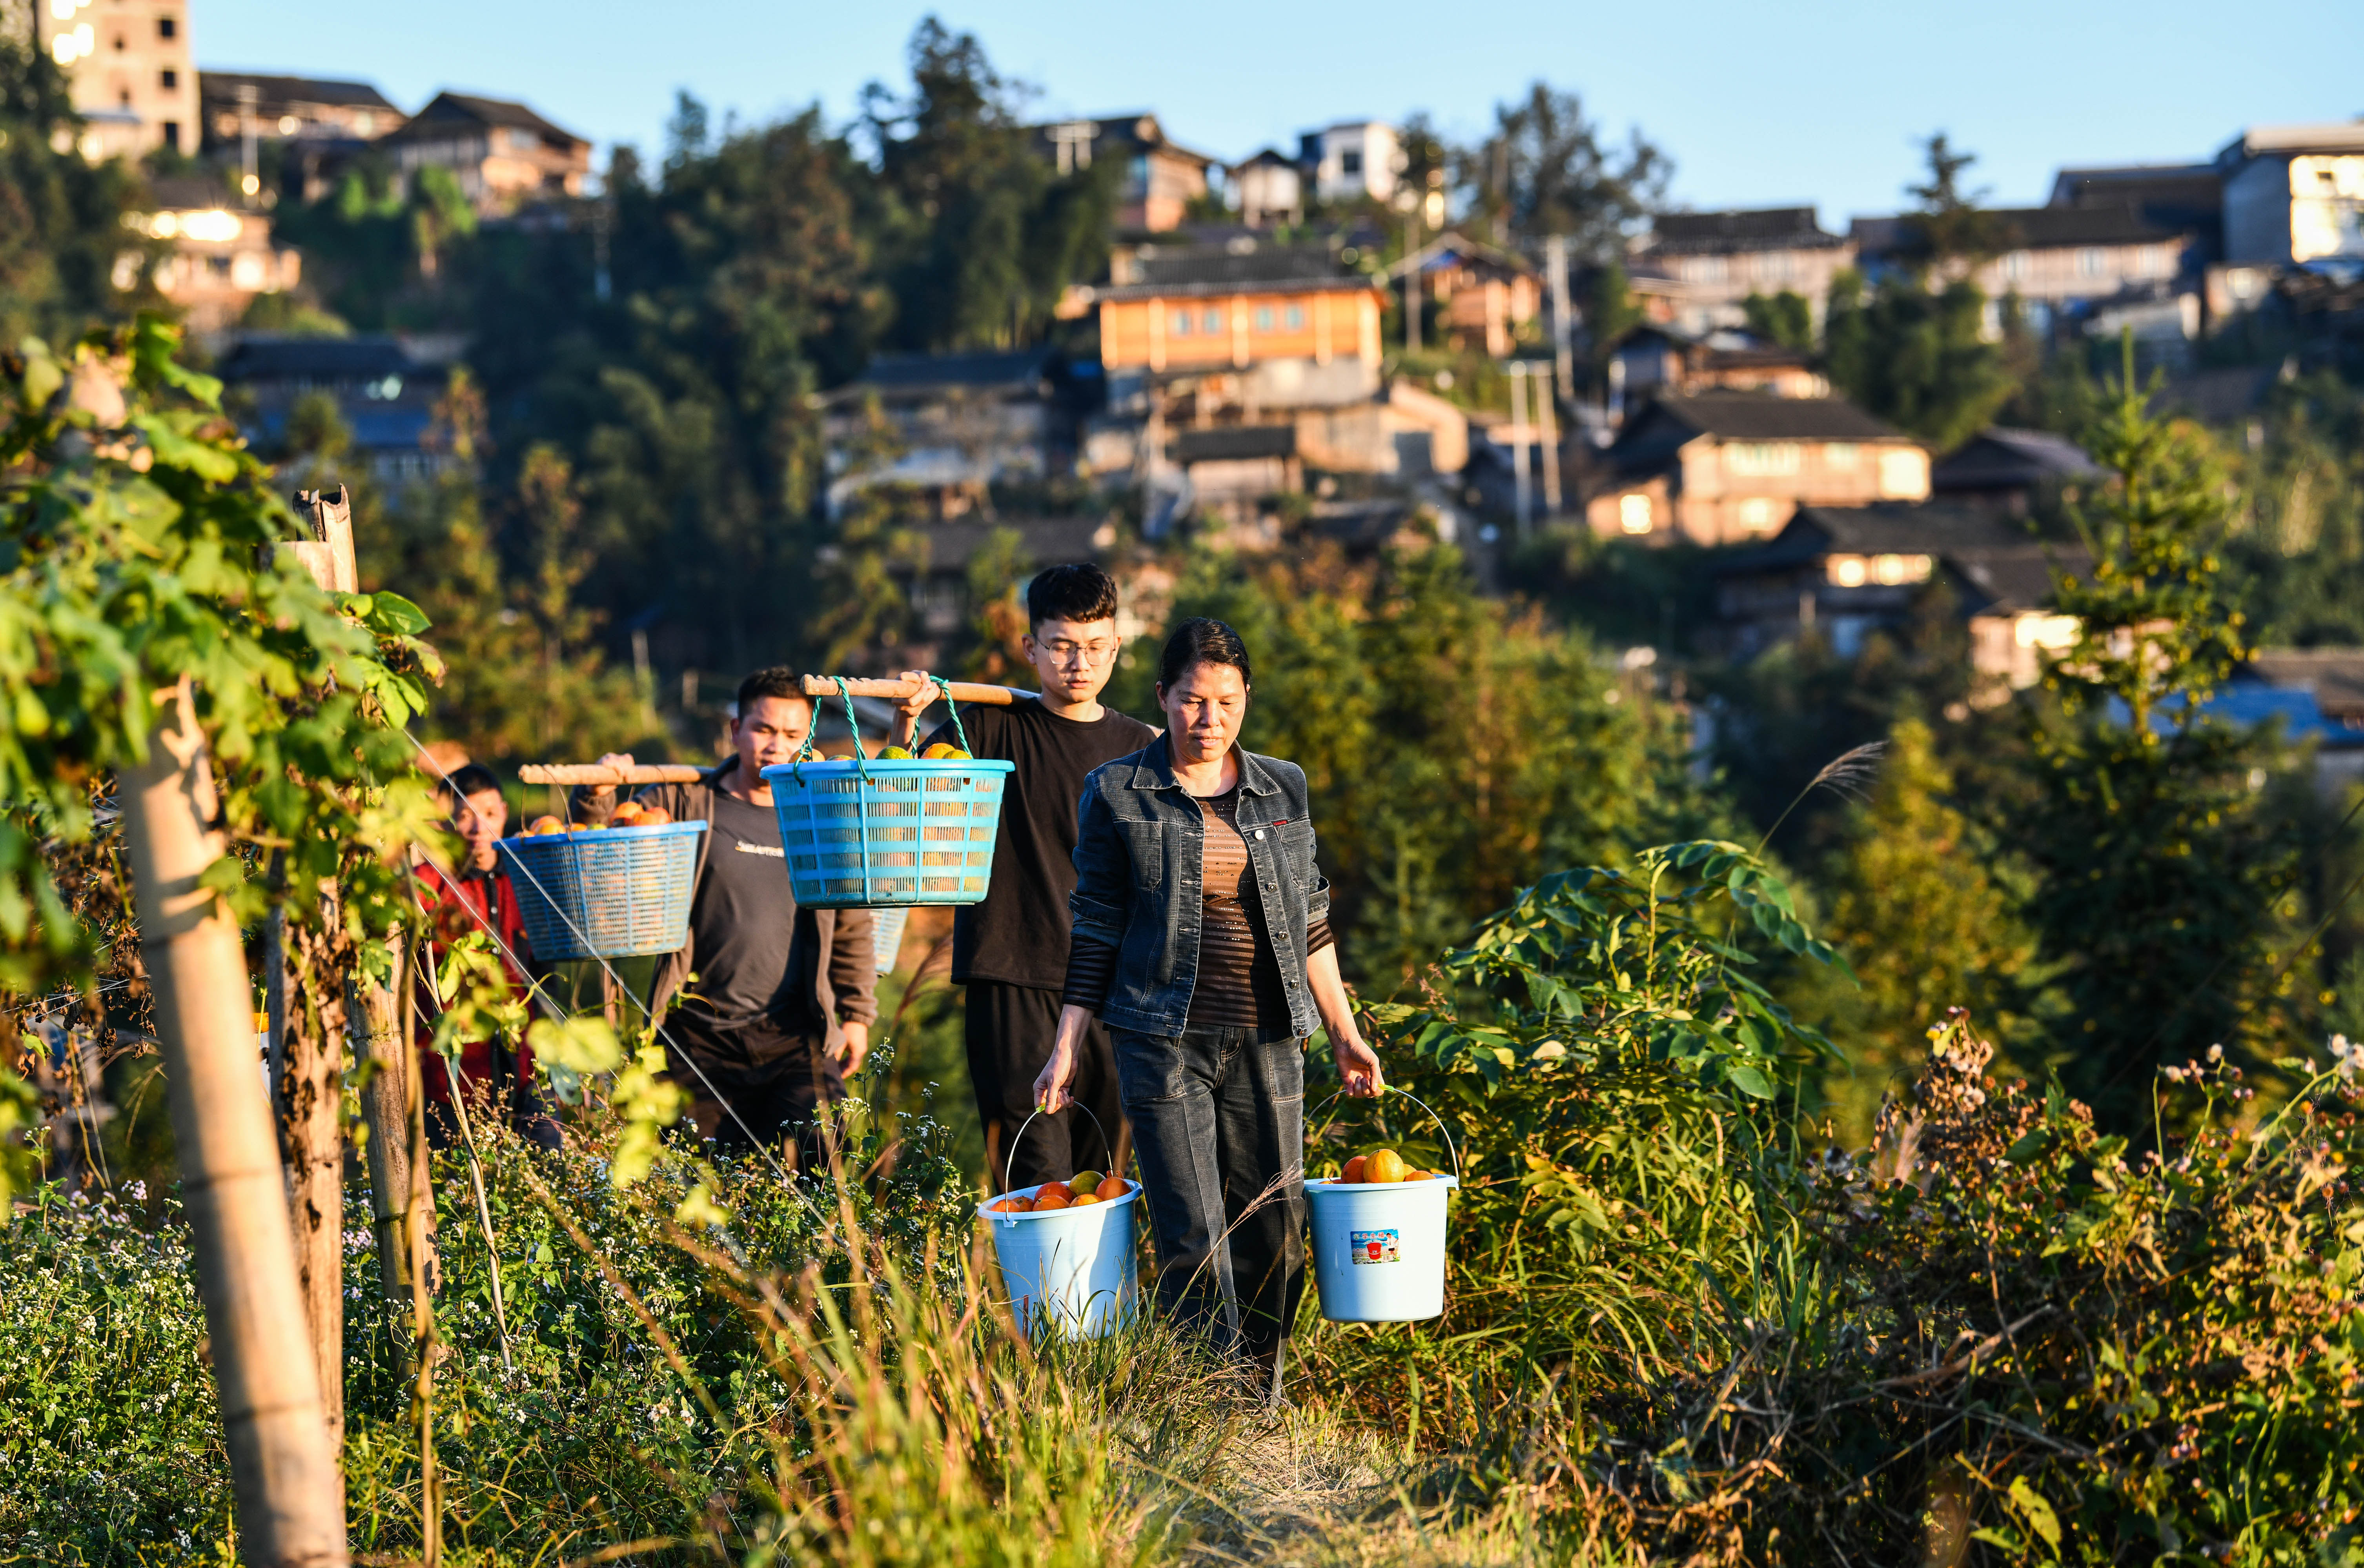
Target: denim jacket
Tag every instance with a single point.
(1139, 865)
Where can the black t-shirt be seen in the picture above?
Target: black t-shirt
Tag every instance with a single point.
(743, 920)
(1019, 934)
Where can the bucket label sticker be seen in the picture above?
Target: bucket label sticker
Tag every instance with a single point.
(1376, 1246)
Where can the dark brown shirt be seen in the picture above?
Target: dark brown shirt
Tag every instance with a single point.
(1239, 983)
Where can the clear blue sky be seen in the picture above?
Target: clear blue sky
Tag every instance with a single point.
(1759, 104)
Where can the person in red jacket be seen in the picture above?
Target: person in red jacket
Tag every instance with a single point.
(495, 1076)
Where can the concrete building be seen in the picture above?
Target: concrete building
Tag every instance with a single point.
(1729, 467)
(1351, 161)
(128, 66)
(2295, 195)
(1472, 294)
(1267, 190)
(950, 427)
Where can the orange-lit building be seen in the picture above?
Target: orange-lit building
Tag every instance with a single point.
(1258, 325)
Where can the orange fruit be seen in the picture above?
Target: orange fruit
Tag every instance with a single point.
(944, 751)
(1084, 1181)
(1052, 1195)
(1087, 1199)
(654, 817)
(1112, 1187)
(547, 825)
(1014, 1205)
(625, 815)
(1354, 1172)
(1384, 1165)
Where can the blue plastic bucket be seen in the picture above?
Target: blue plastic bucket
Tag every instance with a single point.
(863, 832)
(1378, 1247)
(605, 892)
(887, 935)
(1070, 1268)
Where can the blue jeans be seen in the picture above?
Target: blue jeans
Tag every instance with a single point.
(1219, 1121)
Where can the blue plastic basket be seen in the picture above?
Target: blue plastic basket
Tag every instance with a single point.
(607, 892)
(867, 833)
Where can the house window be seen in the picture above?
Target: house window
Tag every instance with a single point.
(1181, 324)
(1761, 457)
(1776, 266)
(1904, 474)
(2015, 266)
(1264, 319)
(2089, 261)
(1847, 571)
(1706, 270)
(1212, 323)
(169, 80)
(168, 27)
(172, 134)
(1842, 457)
(1756, 515)
(1294, 317)
(1350, 162)
(1633, 514)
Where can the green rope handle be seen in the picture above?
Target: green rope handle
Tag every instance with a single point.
(805, 752)
(954, 709)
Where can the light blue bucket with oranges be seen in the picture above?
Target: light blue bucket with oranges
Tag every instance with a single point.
(1378, 1247)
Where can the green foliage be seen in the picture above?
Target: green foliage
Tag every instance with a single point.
(1547, 169)
(2162, 876)
(1454, 754)
(1786, 318)
(1925, 925)
(61, 216)
(131, 523)
(1914, 353)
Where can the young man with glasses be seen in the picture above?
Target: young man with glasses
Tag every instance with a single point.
(1011, 950)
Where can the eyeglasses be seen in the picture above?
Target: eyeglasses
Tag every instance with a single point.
(1065, 653)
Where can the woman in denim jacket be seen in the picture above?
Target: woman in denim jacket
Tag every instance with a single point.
(1202, 940)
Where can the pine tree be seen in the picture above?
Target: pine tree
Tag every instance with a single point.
(2161, 876)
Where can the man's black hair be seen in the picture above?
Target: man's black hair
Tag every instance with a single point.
(1079, 593)
(470, 778)
(778, 681)
(1202, 641)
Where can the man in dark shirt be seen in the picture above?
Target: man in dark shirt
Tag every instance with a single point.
(1011, 950)
(767, 1005)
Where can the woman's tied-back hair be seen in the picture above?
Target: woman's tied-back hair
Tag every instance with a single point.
(1079, 593)
(1202, 639)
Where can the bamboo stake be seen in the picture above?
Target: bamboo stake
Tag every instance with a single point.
(961, 691)
(379, 1040)
(593, 774)
(312, 1139)
(289, 1497)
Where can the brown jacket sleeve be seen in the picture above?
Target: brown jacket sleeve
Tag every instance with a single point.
(853, 966)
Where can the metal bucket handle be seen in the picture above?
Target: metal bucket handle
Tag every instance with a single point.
(1011, 1163)
(1415, 1099)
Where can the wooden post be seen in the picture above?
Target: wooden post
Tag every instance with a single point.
(379, 1040)
(289, 1495)
(312, 1150)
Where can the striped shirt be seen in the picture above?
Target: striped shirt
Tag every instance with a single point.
(1239, 983)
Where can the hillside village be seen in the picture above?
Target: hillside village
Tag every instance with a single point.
(1341, 339)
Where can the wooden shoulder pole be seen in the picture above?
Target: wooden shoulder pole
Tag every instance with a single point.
(895, 690)
(290, 1495)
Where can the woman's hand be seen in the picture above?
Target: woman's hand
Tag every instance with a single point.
(1050, 1092)
(1358, 1064)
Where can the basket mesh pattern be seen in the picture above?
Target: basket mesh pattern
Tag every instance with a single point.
(625, 890)
(910, 833)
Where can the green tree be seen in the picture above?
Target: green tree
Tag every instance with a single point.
(60, 217)
(1914, 348)
(1547, 169)
(2161, 876)
(1785, 317)
(1925, 925)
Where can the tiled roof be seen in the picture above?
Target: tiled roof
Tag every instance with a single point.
(1011, 370)
(1235, 443)
(449, 106)
(2001, 458)
(1723, 233)
(261, 357)
(1043, 540)
(223, 86)
(2040, 228)
(1160, 272)
(1759, 416)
